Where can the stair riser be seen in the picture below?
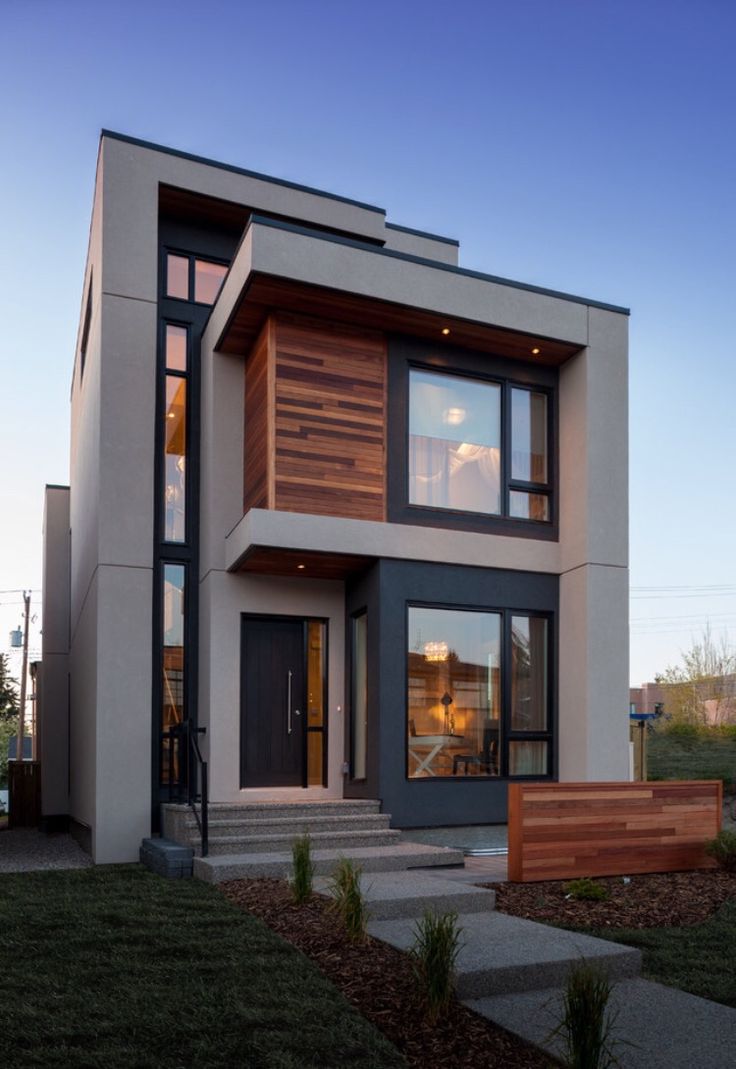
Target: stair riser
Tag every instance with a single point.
(534, 977)
(177, 819)
(414, 907)
(334, 825)
(283, 868)
(237, 845)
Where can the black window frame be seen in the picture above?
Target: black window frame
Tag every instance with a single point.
(506, 660)
(171, 250)
(406, 354)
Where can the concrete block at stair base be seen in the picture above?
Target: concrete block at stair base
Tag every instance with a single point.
(408, 894)
(500, 954)
(166, 858)
(656, 1027)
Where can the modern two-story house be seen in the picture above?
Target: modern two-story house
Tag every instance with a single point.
(358, 512)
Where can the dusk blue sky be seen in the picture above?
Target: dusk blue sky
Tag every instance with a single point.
(583, 146)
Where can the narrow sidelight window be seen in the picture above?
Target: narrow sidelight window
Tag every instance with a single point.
(528, 436)
(172, 706)
(454, 443)
(175, 452)
(177, 276)
(316, 677)
(359, 702)
(176, 348)
(529, 672)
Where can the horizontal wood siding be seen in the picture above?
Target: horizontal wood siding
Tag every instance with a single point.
(258, 438)
(560, 831)
(329, 419)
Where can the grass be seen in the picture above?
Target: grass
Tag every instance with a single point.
(699, 958)
(113, 966)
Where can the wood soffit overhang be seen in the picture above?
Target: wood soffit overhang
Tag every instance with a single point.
(264, 294)
(270, 560)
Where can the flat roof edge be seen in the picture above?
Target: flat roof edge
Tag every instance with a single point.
(423, 234)
(437, 264)
(56, 486)
(155, 147)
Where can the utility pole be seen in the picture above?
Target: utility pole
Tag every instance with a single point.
(23, 678)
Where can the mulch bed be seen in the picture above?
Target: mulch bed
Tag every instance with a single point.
(378, 980)
(664, 900)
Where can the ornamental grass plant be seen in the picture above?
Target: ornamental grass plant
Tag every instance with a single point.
(434, 955)
(587, 1023)
(348, 899)
(301, 884)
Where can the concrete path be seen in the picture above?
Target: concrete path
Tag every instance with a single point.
(512, 971)
(657, 1027)
(29, 850)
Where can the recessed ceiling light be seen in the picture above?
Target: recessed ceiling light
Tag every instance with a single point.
(536, 352)
(454, 416)
(301, 566)
(445, 330)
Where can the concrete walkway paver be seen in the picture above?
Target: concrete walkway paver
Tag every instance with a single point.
(390, 895)
(30, 850)
(658, 1027)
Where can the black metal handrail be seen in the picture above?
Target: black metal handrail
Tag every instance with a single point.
(183, 788)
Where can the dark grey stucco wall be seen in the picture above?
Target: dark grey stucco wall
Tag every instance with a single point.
(385, 591)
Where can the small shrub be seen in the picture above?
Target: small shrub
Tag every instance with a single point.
(349, 901)
(587, 1024)
(301, 884)
(586, 890)
(434, 954)
(723, 849)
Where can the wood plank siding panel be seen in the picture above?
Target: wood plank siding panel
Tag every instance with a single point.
(258, 435)
(330, 414)
(563, 831)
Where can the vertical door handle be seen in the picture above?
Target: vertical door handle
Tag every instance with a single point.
(288, 702)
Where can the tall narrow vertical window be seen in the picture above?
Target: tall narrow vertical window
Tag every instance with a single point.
(172, 668)
(359, 702)
(454, 443)
(175, 452)
(529, 455)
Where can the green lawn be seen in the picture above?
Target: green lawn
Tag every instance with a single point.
(115, 967)
(699, 959)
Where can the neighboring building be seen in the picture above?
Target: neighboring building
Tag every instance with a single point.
(358, 512)
(710, 700)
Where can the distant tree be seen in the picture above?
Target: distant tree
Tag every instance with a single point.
(701, 689)
(9, 703)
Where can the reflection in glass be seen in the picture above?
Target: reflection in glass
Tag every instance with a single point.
(207, 281)
(529, 650)
(454, 442)
(176, 348)
(528, 436)
(316, 668)
(177, 276)
(172, 706)
(527, 758)
(359, 704)
(524, 506)
(454, 709)
(175, 459)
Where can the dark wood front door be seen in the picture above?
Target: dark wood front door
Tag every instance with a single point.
(273, 709)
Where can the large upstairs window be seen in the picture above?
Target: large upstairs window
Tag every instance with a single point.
(478, 446)
(189, 278)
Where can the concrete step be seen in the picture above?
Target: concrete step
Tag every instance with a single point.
(408, 894)
(656, 1027)
(177, 820)
(370, 858)
(276, 843)
(293, 826)
(502, 954)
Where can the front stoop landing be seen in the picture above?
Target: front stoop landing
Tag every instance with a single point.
(255, 839)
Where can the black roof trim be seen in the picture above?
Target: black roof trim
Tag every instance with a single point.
(422, 234)
(56, 486)
(264, 220)
(239, 170)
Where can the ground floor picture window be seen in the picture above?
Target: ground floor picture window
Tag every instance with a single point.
(478, 693)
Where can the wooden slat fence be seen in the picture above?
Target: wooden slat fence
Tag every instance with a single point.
(560, 831)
